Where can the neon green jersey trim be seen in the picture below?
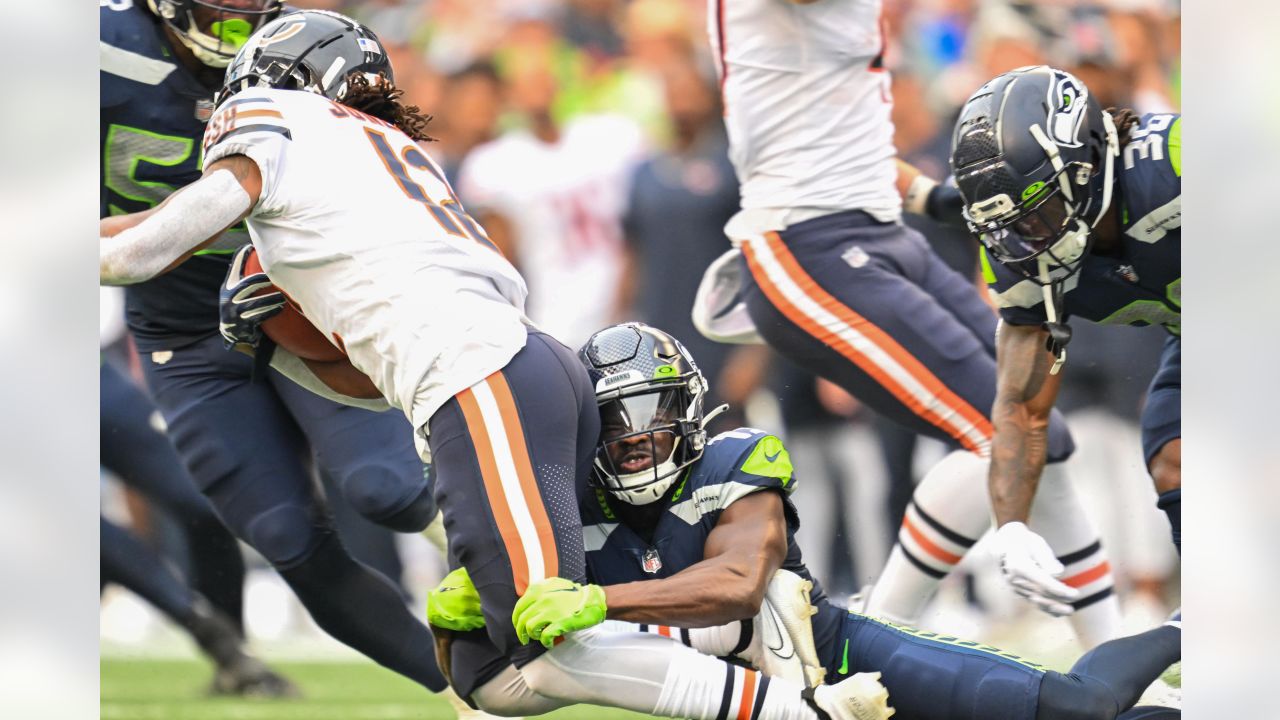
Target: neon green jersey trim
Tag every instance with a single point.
(769, 459)
(988, 275)
(1175, 146)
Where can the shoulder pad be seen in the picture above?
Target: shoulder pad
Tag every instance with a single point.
(735, 464)
(128, 49)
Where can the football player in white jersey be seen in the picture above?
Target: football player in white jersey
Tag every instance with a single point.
(357, 225)
(552, 194)
(832, 279)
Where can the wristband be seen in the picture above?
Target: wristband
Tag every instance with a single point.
(917, 197)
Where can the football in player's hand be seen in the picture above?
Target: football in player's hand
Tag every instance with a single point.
(290, 329)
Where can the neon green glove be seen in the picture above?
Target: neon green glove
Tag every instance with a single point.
(454, 604)
(555, 606)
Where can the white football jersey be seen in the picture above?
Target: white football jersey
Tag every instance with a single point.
(565, 202)
(806, 103)
(358, 226)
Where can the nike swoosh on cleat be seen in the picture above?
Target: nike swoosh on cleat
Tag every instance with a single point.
(783, 649)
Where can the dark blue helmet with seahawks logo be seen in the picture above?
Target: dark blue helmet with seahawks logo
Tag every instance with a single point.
(650, 393)
(1033, 154)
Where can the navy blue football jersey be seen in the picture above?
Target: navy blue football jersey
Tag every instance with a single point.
(1142, 284)
(734, 465)
(153, 118)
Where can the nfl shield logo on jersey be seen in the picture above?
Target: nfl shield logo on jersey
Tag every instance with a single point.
(204, 110)
(651, 563)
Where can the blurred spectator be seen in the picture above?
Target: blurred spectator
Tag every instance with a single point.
(680, 200)
(550, 193)
(467, 116)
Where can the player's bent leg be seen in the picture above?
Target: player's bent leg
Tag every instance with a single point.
(948, 512)
(656, 675)
(243, 449)
(135, 448)
(370, 456)
(1110, 678)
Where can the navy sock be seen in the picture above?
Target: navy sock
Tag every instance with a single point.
(1171, 503)
(365, 611)
(217, 567)
(127, 561)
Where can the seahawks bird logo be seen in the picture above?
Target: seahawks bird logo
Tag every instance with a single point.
(1067, 101)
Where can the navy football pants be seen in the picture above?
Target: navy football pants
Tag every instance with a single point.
(931, 676)
(144, 459)
(871, 307)
(510, 454)
(245, 442)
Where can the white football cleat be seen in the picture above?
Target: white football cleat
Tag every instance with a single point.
(788, 593)
(771, 650)
(857, 697)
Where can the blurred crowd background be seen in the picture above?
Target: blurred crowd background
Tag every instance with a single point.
(586, 136)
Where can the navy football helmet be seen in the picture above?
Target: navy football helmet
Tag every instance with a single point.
(650, 393)
(311, 50)
(1033, 154)
(214, 31)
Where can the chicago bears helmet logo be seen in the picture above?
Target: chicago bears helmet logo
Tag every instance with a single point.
(1068, 99)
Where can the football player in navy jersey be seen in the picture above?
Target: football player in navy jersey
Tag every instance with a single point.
(1081, 209)
(242, 430)
(684, 535)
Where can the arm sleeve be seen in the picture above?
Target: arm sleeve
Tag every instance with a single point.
(255, 126)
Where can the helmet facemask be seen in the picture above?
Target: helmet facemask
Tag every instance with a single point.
(215, 31)
(648, 435)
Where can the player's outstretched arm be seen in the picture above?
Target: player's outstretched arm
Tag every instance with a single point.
(137, 247)
(741, 554)
(1025, 392)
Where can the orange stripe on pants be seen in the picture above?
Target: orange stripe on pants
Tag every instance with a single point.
(498, 501)
(524, 468)
(810, 288)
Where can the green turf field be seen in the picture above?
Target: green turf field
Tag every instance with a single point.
(174, 690)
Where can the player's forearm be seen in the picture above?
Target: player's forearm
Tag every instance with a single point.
(303, 372)
(703, 595)
(1018, 452)
(137, 248)
(1025, 393)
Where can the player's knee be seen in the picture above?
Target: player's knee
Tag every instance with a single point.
(390, 496)
(286, 535)
(1166, 467)
(1074, 697)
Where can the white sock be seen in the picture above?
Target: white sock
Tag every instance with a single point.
(1060, 519)
(720, 641)
(651, 674)
(949, 511)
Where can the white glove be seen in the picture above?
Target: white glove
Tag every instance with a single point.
(1030, 567)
